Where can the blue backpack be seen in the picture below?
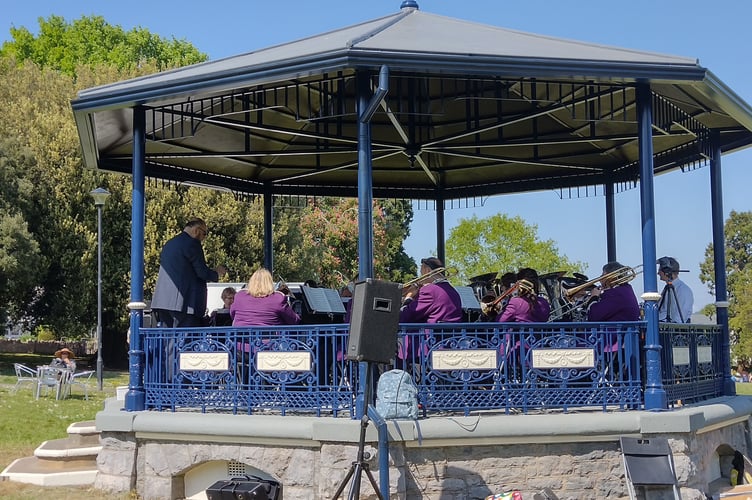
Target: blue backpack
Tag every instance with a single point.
(397, 395)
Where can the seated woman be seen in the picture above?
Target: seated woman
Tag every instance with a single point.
(221, 316)
(64, 360)
(260, 305)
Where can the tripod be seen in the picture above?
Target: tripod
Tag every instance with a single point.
(668, 295)
(360, 465)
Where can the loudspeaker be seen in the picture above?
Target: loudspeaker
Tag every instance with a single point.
(374, 321)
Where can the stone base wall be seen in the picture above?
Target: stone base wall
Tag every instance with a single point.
(574, 470)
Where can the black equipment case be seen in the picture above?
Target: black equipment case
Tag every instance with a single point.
(245, 488)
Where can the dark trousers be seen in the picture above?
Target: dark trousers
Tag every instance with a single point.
(176, 319)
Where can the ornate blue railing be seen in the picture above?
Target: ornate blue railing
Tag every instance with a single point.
(509, 367)
(691, 361)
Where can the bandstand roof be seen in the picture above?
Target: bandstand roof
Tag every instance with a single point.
(471, 110)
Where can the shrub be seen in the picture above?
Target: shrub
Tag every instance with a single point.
(45, 332)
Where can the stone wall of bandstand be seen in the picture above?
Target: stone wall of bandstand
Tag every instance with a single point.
(577, 455)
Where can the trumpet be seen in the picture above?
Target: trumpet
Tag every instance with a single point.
(493, 307)
(422, 280)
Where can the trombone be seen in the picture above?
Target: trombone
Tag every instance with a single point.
(422, 280)
(618, 277)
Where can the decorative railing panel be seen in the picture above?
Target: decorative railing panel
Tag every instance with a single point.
(691, 361)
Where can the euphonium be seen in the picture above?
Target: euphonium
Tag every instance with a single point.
(422, 280)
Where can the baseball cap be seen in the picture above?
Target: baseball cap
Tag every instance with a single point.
(668, 264)
(432, 263)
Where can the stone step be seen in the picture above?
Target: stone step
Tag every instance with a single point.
(60, 462)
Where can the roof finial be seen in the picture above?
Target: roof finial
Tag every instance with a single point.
(409, 4)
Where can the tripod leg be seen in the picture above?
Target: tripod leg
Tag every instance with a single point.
(373, 482)
(342, 485)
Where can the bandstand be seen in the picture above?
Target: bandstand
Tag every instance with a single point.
(421, 107)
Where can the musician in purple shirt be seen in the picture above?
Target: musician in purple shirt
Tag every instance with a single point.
(260, 305)
(614, 303)
(528, 306)
(436, 302)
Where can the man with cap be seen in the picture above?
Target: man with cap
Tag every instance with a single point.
(677, 299)
(436, 302)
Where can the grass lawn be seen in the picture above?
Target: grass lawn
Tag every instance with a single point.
(25, 423)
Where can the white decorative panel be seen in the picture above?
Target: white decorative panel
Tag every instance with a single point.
(204, 361)
(704, 354)
(287, 361)
(471, 359)
(563, 358)
(681, 355)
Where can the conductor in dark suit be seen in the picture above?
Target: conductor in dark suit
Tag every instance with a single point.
(180, 294)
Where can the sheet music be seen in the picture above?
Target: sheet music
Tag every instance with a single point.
(323, 300)
(469, 300)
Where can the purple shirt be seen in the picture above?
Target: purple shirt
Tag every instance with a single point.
(518, 310)
(616, 304)
(247, 310)
(436, 303)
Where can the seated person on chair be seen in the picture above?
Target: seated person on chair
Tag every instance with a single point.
(435, 302)
(528, 306)
(615, 302)
(677, 299)
(221, 316)
(260, 305)
(64, 360)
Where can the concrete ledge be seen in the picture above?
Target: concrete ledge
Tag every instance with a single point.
(492, 428)
(700, 417)
(58, 448)
(87, 427)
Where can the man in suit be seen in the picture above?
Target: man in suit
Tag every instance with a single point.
(180, 294)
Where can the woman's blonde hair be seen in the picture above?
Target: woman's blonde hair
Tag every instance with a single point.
(261, 283)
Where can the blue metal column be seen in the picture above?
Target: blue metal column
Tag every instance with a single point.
(610, 222)
(268, 229)
(719, 261)
(655, 394)
(440, 226)
(135, 398)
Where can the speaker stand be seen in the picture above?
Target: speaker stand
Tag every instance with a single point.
(360, 465)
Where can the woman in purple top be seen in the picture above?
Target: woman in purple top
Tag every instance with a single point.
(527, 306)
(259, 305)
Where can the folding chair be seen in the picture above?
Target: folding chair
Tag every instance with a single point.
(649, 465)
(24, 374)
(48, 378)
(80, 379)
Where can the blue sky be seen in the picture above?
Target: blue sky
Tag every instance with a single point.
(717, 34)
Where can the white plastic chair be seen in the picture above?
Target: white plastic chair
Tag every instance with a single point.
(80, 379)
(24, 374)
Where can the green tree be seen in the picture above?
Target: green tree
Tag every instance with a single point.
(500, 244)
(51, 205)
(93, 42)
(738, 249)
(330, 242)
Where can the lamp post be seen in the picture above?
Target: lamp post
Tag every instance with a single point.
(100, 196)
